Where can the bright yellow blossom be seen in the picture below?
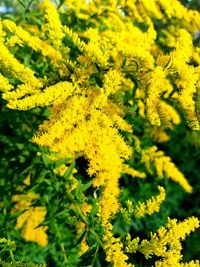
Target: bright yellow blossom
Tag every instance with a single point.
(32, 217)
(11, 64)
(53, 26)
(169, 236)
(164, 166)
(4, 84)
(107, 62)
(150, 206)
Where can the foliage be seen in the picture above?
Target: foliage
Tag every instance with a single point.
(100, 123)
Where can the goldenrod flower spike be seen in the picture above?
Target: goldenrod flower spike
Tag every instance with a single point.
(173, 8)
(144, 10)
(53, 26)
(164, 167)
(150, 206)
(166, 243)
(33, 41)
(168, 115)
(5, 86)
(55, 93)
(156, 85)
(133, 172)
(188, 77)
(114, 249)
(86, 106)
(30, 218)
(141, 209)
(17, 69)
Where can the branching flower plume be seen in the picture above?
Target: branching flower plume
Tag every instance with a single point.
(108, 74)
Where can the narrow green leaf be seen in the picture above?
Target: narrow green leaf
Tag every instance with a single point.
(69, 171)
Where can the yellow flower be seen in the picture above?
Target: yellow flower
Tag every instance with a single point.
(53, 26)
(31, 218)
(4, 84)
(157, 84)
(12, 65)
(160, 136)
(164, 166)
(133, 172)
(23, 201)
(55, 93)
(150, 206)
(114, 249)
(33, 41)
(188, 77)
(166, 242)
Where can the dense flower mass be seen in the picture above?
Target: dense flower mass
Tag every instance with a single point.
(96, 74)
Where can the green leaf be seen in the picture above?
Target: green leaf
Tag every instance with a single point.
(86, 186)
(60, 162)
(69, 171)
(88, 255)
(47, 162)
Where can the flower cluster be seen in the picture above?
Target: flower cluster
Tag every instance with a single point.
(95, 80)
(166, 243)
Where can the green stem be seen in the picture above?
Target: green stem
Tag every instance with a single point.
(61, 244)
(172, 92)
(83, 217)
(95, 256)
(21, 3)
(97, 237)
(28, 6)
(12, 256)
